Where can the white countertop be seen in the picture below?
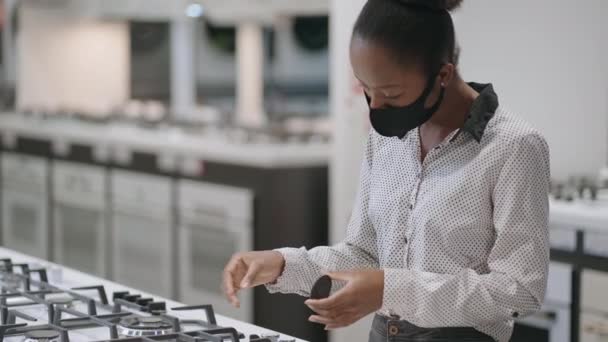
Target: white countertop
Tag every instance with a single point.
(584, 215)
(65, 277)
(118, 137)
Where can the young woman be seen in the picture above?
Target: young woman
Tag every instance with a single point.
(448, 238)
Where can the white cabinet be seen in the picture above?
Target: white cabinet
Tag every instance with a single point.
(215, 221)
(80, 217)
(594, 328)
(25, 204)
(594, 285)
(594, 307)
(142, 230)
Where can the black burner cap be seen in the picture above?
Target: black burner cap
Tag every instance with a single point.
(145, 323)
(42, 334)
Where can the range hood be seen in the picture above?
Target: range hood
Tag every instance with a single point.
(261, 11)
(144, 10)
(220, 11)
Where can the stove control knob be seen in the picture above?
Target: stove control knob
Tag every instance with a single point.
(132, 298)
(157, 307)
(120, 294)
(271, 337)
(144, 301)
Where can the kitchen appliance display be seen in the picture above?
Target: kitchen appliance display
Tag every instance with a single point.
(25, 212)
(215, 221)
(79, 206)
(34, 307)
(142, 225)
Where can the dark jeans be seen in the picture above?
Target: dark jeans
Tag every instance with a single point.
(385, 329)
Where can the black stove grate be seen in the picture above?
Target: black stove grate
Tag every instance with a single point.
(22, 282)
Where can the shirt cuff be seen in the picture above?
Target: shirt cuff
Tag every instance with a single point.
(396, 283)
(288, 281)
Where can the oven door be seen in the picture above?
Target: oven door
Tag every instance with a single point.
(142, 252)
(24, 222)
(80, 238)
(206, 245)
(215, 222)
(79, 208)
(142, 232)
(25, 204)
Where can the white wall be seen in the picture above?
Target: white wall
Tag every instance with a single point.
(547, 59)
(350, 116)
(65, 61)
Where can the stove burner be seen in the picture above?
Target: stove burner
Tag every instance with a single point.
(9, 281)
(144, 326)
(62, 302)
(142, 319)
(42, 336)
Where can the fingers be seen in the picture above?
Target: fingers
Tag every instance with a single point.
(333, 302)
(336, 322)
(324, 313)
(252, 272)
(231, 277)
(322, 320)
(333, 312)
(344, 276)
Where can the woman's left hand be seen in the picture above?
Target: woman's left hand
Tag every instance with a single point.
(361, 296)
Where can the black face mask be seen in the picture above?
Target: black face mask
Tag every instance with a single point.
(397, 121)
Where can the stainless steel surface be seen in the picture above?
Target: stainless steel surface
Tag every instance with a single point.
(25, 204)
(142, 228)
(38, 308)
(80, 207)
(215, 221)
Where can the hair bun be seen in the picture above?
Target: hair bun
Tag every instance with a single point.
(437, 5)
(450, 5)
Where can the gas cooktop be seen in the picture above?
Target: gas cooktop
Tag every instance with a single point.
(33, 309)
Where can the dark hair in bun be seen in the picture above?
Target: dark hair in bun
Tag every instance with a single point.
(416, 31)
(436, 5)
(451, 5)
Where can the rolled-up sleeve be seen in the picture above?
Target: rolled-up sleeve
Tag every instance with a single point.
(517, 262)
(358, 251)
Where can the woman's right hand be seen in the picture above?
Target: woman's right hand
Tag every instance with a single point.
(250, 269)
